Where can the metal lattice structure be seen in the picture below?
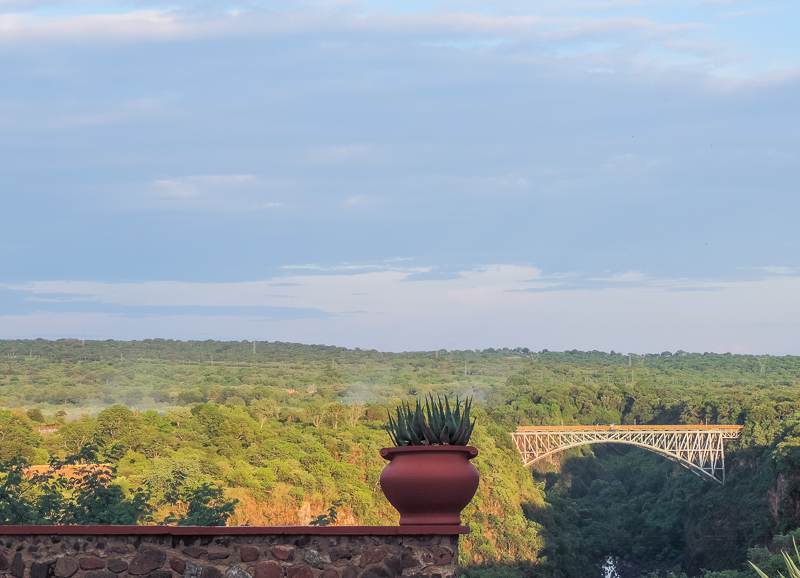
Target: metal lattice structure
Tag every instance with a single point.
(697, 447)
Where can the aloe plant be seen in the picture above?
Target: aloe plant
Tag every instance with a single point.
(433, 423)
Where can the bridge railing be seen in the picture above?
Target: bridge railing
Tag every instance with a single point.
(549, 428)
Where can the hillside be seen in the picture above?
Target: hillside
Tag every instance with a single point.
(289, 429)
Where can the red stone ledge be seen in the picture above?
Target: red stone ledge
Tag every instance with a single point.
(234, 530)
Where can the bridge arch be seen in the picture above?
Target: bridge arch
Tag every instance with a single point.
(698, 448)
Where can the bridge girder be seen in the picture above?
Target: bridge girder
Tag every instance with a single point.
(698, 448)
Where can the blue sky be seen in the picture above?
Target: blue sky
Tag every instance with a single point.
(403, 175)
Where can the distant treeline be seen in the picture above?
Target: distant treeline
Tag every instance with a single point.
(77, 375)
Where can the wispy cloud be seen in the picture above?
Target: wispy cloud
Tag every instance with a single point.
(478, 307)
(627, 277)
(778, 270)
(475, 30)
(752, 12)
(185, 187)
(30, 116)
(226, 193)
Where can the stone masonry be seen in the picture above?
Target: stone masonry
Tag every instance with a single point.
(314, 555)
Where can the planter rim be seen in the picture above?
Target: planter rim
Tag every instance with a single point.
(386, 453)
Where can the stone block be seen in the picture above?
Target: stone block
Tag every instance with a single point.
(438, 556)
(350, 572)
(177, 564)
(100, 574)
(210, 572)
(92, 563)
(329, 573)
(394, 565)
(195, 551)
(341, 553)
(218, 555)
(299, 572)
(372, 557)
(311, 557)
(282, 553)
(236, 572)
(116, 565)
(376, 572)
(17, 566)
(41, 570)
(268, 570)
(146, 560)
(160, 574)
(192, 570)
(408, 559)
(249, 553)
(65, 567)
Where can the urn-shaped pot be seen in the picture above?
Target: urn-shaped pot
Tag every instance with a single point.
(429, 485)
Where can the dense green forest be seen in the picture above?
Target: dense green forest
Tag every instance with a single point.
(289, 430)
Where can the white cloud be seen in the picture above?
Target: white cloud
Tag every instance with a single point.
(628, 277)
(778, 270)
(42, 117)
(469, 30)
(176, 188)
(479, 308)
(144, 24)
(189, 186)
(751, 12)
(360, 202)
(212, 193)
(613, 36)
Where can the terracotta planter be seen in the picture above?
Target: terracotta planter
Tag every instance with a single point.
(429, 485)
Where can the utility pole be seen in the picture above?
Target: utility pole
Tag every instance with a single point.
(254, 347)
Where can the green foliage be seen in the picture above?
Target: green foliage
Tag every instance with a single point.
(288, 427)
(205, 506)
(329, 518)
(791, 568)
(87, 496)
(18, 502)
(436, 424)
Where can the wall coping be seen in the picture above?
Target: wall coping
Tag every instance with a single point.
(233, 530)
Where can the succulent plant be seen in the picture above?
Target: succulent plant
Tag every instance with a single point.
(432, 424)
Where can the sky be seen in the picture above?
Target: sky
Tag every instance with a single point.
(403, 175)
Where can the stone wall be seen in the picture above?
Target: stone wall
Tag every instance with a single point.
(182, 553)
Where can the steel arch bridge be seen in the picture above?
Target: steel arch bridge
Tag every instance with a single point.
(696, 447)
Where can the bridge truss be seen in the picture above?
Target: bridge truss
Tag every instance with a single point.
(698, 448)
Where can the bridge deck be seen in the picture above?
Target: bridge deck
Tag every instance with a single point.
(605, 428)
